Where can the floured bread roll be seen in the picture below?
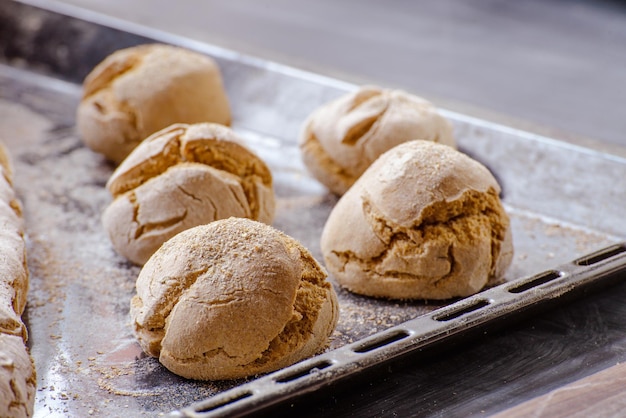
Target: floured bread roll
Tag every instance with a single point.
(231, 299)
(17, 372)
(424, 221)
(180, 177)
(342, 138)
(137, 91)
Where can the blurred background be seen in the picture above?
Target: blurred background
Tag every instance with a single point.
(556, 67)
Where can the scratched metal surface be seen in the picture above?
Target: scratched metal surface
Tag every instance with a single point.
(564, 201)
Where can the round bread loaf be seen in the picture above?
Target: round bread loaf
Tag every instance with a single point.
(342, 138)
(424, 221)
(231, 299)
(180, 177)
(137, 91)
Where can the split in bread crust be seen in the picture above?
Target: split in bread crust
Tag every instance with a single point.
(423, 222)
(231, 299)
(17, 371)
(180, 177)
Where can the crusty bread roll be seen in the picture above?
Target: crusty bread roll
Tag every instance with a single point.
(231, 299)
(17, 372)
(180, 177)
(342, 138)
(137, 91)
(424, 221)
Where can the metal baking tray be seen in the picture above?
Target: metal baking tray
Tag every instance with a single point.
(566, 203)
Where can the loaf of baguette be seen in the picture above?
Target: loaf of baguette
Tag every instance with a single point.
(17, 372)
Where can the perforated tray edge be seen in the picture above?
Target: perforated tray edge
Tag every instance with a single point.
(487, 307)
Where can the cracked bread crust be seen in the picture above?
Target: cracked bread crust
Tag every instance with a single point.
(17, 378)
(423, 222)
(14, 276)
(137, 91)
(231, 299)
(343, 137)
(180, 177)
(17, 372)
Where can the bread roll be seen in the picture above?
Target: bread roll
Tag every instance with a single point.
(137, 91)
(180, 177)
(17, 372)
(342, 138)
(424, 221)
(231, 299)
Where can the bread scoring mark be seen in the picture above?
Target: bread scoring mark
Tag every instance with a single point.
(439, 222)
(147, 168)
(362, 127)
(12, 326)
(294, 335)
(232, 158)
(150, 227)
(221, 154)
(135, 133)
(322, 163)
(15, 404)
(311, 294)
(154, 321)
(363, 95)
(113, 67)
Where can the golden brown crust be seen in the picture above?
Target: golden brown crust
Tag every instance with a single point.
(180, 177)
(342, 138)
(232, 299)
(139, 90)
(424, 221)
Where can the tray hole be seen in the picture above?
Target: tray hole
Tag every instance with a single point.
(225, 402)
(382, 341)
(537, 280)
(304, 372)
(601, 255)
(479, 304)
